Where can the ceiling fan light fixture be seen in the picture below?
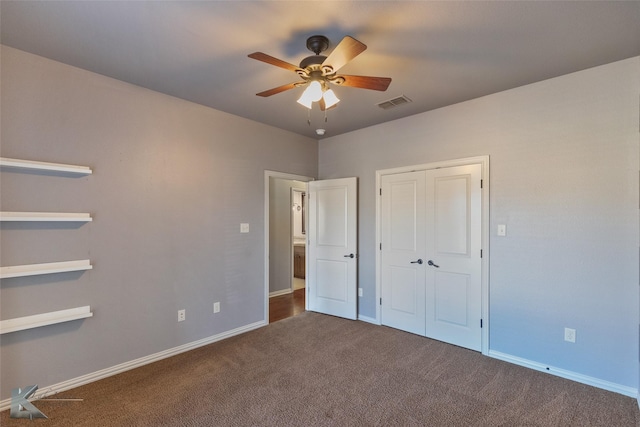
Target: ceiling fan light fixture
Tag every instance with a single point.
(305, 101)
(330, 98)
(311, 94)
(314, 91)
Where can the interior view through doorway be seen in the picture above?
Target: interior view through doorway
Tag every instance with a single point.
(285, 244)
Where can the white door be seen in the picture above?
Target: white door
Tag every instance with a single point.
(332, 247)
(453, 259)
(431, 261)
(403, 237)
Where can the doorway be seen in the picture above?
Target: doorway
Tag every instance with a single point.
(433, 251)
(283, 237)
(299, 231)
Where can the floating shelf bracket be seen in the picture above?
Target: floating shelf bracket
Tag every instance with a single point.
(44, 319)
(47, 268)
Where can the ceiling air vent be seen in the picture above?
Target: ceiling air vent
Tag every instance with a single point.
(392, 103)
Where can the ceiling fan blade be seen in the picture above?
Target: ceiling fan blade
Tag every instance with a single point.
(364, 82)
(346, 50)
(278, 89)
(273, 61)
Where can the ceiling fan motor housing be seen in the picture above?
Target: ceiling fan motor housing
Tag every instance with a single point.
(317, 44)
(312, 60)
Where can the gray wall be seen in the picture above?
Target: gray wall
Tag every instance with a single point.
(172, 182)
(280, 230)
(564, 179)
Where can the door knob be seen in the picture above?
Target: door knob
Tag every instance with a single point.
(432, 264)
(419, 261)
(349, 256)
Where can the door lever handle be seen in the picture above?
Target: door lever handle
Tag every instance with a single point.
(432, 264)
(350, 256)
(419, 261)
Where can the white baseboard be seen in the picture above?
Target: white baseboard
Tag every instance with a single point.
(574, 376)
(108, 372)
(368, 319)
(278, 293)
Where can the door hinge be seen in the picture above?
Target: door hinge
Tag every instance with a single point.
(482, 183)
(480, 323)
(380, 301)
(381, 191)
(380, 246)
(480, 253)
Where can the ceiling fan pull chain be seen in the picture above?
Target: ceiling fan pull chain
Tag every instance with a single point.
(325, 116)
(309, 117)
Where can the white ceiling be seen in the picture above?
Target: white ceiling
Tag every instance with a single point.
(437, 53)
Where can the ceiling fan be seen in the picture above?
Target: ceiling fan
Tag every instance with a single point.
(319, 71)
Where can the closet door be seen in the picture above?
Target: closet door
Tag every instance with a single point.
(403, 251)
(431, 259)
(453, 260)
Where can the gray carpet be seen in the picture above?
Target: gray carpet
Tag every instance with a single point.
(317, 370)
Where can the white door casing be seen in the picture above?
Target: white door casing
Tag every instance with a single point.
(332, 247)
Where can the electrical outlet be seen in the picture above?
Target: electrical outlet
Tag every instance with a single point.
(216, 307)
(182, 315)
(360, 292)
(569, 335)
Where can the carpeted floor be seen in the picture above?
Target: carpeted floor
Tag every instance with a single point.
(317, 370)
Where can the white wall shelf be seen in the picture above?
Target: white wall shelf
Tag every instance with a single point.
(44, 319)
(47, 268)
(44, 166)
(45, 216)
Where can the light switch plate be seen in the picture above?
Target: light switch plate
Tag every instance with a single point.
(502, 230)
(244, 227)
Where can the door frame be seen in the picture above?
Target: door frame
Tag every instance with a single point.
(278, 175)
(484, 162)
